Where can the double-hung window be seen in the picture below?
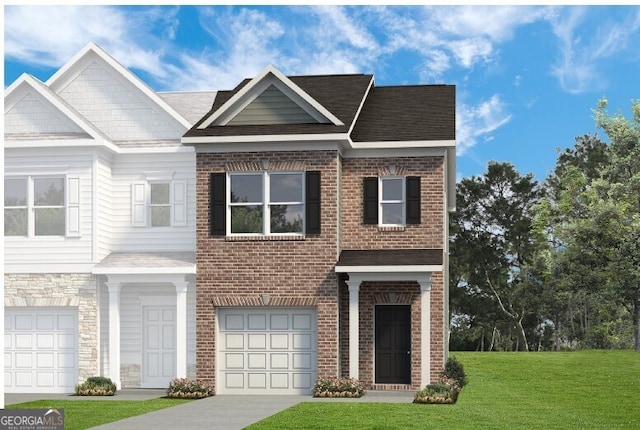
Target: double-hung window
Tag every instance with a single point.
(15, 207)
(265, 203)
(36, 206)
(391, 200)
(159, 203)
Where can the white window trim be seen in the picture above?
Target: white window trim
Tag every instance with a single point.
(141, 203)
(382, 202)
(71, 205)
(266, 203)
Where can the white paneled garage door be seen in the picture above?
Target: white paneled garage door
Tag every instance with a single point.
(40, 350)
(267, 350)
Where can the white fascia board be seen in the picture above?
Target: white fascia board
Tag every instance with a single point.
(260, 147)
(404, 144)
(59, 104)
(60, 143)
(364, 99)
(22, 79)
(334, 137)
(183, 270)
(451, 179)
(124, 72)
(157, 150)
(390, 269)
(394, 152)
(252, 89)
(306, 97)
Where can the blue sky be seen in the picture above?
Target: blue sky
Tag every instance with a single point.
(527, 77)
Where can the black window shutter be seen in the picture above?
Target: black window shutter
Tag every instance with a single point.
(218, 204)
(413, 200)
(370, 201)
(313, 202)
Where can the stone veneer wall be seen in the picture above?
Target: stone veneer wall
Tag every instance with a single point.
(62, 290)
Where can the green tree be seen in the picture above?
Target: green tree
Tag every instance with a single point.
(591, 217)
(619, 192)
(494, 248)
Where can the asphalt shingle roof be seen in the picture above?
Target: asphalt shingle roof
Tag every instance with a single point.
(389, 113)
(340, 94)
(407, 113)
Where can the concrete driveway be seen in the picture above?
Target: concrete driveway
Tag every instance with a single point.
(216, 412)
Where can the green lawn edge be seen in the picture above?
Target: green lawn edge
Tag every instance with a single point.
(84, 414)
(506, 390)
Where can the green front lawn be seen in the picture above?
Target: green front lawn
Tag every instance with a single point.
(546, 390)
(84, 414)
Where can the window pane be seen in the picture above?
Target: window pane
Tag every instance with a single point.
(392, 189)
(246, 188)
(286, 187)
(48, 192)
(392, 213)
(49, 221)
(15, 192)
(160, 194)
(286, 218)
(15, 222)
(246, 219)
(160, 216)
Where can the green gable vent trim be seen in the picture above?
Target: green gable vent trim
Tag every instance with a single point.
(272, 107)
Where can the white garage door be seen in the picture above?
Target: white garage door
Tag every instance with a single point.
(267, 350)
(40, 350)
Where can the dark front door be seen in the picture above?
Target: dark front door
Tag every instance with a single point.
(393, 344)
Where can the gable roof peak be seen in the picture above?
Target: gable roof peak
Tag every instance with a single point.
(268, 76)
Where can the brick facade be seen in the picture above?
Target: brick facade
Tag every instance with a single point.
(295, 271)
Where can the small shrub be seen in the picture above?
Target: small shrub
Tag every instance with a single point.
(96, 386)
(184, 388)
(455, 370)
(334, 386)
(440, 393)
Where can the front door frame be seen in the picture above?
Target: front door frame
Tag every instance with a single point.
(402, 379)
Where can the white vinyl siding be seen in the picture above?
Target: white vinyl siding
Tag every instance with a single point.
(112, 105)
(104, 208)
(30, 252)
(131, 234)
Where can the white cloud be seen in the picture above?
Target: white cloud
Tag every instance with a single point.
(478, 122)
(586, 44)
(51, 35)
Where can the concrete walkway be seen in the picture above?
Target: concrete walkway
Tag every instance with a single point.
(216, 412)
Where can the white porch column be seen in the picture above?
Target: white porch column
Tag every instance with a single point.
(354, 327)
(181, 329)
(114, 332)
(425, 329)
